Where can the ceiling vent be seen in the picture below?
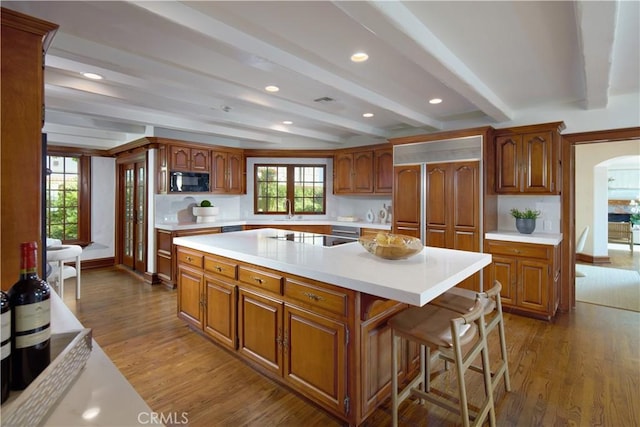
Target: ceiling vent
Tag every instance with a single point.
(324, 99)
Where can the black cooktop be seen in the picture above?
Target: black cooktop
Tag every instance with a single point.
(313, 238)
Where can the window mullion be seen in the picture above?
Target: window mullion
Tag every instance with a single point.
(290, 187)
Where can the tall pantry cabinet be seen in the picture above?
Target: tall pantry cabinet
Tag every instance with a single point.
(24, 41)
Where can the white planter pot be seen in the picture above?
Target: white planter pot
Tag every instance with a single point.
(207, 214)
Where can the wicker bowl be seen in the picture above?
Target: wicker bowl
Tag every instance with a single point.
(391, 246)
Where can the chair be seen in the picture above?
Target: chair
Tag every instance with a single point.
(621, 232)
(58, 255)
(443, 332)
(462, 301)
(580, 246)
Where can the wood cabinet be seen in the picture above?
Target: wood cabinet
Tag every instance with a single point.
(207, 295)
(452, 207)
(406, 200)
(24, 41)
(383, 171)
(358, 171)
(296, 330)
(188, 159)
(327, 343)
(529, 274)
(228, 175)
(528, 159)
(166, 255)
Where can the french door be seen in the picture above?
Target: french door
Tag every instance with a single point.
(132, 214)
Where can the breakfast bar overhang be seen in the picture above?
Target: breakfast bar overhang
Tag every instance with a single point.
(310, 316)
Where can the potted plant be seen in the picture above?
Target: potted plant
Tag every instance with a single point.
(206, 211)
(525, 219)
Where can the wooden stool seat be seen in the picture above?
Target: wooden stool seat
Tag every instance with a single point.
(443, 332)
(462, 301)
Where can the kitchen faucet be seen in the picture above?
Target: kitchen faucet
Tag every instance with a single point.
(287, 205)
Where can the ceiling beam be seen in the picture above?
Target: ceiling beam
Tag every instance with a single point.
(596, 24)
(409, 35)
(182, 14)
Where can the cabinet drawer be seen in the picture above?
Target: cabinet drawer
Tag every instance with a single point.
(193, 258)
(260, 278)
(519, 249)
(220, 266)
(315, 296)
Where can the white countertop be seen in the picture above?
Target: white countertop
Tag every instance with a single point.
(101, 395)
(514, 236)
(416, 280)
(173, 226)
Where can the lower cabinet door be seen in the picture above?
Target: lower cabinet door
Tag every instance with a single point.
(316, 357)
(504, 271)
(535, 280)
(260, 331)
(220, 311)
(190, 296)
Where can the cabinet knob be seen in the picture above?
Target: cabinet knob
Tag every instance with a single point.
(218, 268)
(259, 280)
(189, 259)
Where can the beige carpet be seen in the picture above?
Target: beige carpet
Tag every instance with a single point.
(612, 287)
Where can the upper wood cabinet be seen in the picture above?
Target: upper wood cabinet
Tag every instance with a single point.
(528, 159)
(228, 172)
(358, 171)
(383, 171)
(188, 159)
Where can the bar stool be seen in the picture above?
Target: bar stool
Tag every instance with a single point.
(444, 332)
(60, 254)
(462, 301)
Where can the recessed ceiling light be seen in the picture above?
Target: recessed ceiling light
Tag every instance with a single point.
(287, 122)
(359, 57)
(367, 115)
(93, 76)
(435, 101)
(272, 88)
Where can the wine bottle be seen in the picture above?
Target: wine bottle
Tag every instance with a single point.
(31, 317)
(5, 341)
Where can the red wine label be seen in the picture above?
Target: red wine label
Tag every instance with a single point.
(32, 323)
(5, 335)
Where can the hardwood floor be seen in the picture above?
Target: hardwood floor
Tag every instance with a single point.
(622, 257)
(582, 369)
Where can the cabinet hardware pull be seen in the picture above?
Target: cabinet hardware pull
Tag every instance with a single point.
(257, 279)
(279, 337)
(218, 268)
(313, 296)
(189, 259)
(285, 342)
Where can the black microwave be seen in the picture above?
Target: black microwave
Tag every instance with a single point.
(188, 182)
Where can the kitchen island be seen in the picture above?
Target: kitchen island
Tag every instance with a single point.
(310, 316)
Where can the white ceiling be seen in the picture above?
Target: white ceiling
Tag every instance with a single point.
(197, 70)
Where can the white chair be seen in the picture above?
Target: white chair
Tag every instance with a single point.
(580, 246)
(58, 254)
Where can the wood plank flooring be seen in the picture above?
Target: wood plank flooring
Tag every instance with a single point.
(582, 369)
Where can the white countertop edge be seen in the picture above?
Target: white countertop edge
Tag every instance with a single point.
(173, 226)
(514, 236)
(100, 388)
(382, 291)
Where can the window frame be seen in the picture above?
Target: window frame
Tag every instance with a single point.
(290, 190)
(84, 195)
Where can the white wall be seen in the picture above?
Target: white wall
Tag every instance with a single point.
(591, 202)
(103, 208)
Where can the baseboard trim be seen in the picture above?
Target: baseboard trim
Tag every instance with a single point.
(97, 263)
(595, 260)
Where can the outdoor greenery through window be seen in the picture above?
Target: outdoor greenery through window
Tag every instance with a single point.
(304, 185)
(63, 197)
